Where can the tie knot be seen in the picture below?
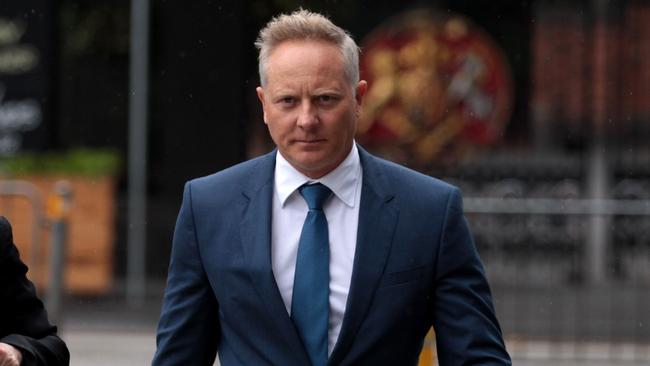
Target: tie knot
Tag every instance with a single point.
(315, 195)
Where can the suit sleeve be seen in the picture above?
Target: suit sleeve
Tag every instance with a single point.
(467, 331)
(188, 330)
(23, 321)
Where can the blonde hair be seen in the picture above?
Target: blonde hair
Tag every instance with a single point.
(306, 25)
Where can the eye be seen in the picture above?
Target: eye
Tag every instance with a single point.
(326, 99)
(286, 101)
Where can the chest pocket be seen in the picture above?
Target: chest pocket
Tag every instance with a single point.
(400, 277)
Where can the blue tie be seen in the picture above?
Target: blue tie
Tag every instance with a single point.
(310, 300)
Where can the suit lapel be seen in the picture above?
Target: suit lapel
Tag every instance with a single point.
(377, 218)
(256, 245)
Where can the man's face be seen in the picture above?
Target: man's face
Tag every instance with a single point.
(309, 106)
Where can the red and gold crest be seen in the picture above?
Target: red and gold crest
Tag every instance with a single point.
(438, 87)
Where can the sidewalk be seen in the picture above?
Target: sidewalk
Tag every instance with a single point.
(135, 348)
(108, 348)
(105, 331)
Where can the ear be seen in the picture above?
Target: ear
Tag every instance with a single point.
(361, 89)
(260, 96)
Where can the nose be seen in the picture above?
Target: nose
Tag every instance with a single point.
(307, 115)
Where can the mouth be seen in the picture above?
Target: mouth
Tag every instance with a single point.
(310, 141)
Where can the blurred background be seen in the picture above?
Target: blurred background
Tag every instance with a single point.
(538, 110)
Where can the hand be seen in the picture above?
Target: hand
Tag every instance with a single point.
(10, 355)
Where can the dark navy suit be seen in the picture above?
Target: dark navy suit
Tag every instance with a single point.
(415, 267)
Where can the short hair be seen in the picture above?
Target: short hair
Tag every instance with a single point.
(306, 25)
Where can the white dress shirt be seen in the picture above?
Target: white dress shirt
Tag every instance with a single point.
(342, 212)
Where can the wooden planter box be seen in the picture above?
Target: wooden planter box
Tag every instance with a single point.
(91, 227)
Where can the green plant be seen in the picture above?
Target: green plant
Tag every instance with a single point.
(81, 162)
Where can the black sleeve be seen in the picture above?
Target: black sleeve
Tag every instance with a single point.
(23, 319)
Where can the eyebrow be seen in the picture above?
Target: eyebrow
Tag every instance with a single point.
(317, 92)
(326, 91)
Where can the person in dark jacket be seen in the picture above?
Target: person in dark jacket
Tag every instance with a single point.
(26, 335)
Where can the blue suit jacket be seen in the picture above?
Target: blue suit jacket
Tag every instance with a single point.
(415, 267)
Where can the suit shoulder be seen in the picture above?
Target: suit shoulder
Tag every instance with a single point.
(5, 232)
(4, 223)
(236, 175)
(402, 178)
(416, 193)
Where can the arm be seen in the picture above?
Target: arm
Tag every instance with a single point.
(23, 322)
(467, 331)
(188, 330)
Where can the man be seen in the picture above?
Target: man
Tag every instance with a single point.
(26, 336)
(320, 253)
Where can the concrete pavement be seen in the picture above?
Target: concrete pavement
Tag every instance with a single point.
(105, 331)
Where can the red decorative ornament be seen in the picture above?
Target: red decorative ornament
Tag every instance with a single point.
(438, 87)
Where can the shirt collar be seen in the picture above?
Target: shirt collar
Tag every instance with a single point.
(342, 180)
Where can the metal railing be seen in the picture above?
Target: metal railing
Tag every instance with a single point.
(555, 297)
(552, 206)
(56, 221)
(26, 190)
